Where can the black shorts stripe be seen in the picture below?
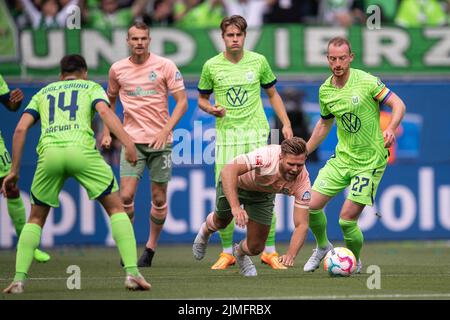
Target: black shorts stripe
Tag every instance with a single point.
(107, 190)
(39, 202)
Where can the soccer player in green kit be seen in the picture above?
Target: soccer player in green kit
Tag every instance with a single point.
(236, 77)
(16, 210)
(66, 149)
(352, 97)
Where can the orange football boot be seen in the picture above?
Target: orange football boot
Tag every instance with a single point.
(272, 260)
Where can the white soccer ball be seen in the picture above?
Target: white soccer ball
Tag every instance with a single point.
(340, 262)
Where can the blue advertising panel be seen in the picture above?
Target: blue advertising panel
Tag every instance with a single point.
(413, 199)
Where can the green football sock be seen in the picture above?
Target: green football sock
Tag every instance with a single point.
(270, 242)
(226, 236)
(123, 235)
(28, 242)
(353, 236)
(16, 211)
(318, 226)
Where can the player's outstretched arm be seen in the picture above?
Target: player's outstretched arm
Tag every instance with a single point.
(280, 110)
(20, 135)
(106, 138)
(160, 139)
(301, 220)
(205, 105)
(14, 100)
(115, 126)
(230, 173)
(320, 132)
(398, 111)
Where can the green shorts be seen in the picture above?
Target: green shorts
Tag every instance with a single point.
(5, 159)
(335, 177)
(259, 205)
(226, 153)
(56, 164)
(158, 162)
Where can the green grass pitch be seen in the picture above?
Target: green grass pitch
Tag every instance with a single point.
(409, 270)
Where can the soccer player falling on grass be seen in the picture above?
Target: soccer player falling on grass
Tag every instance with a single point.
(352, 97)
(143, 81)
(16, 210)
(236, 77)
(253, 179)
(66, 149)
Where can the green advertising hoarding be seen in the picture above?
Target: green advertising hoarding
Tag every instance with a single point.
(292, 50)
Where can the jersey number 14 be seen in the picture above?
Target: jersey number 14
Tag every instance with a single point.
(72, 107)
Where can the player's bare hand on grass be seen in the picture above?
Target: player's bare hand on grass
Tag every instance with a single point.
(9, 183)
(218, 111)
(106, 141)
(389, 137)
(16, 95)
(287, 132)
(287, 260)
(159, 141)
(240, 216)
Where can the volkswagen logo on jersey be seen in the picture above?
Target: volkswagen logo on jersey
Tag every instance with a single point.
(351, 122)
(237, 96)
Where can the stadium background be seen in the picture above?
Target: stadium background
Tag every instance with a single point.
(413, 198)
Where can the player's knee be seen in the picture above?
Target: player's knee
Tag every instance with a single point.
(127, 199)
(222, 224)
(159, 202)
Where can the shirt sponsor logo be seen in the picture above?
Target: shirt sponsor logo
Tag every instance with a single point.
(139, 92)
(237, 96)
(351, 122)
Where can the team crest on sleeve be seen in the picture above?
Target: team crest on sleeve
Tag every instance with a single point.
(178, 76)
(355, 100)
(306, 196)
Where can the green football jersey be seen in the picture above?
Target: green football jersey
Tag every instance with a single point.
(3, 90)
(237, 88)
(3, 86)
(357, 113)
(66, 109)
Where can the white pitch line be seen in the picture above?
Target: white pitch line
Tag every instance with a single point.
(339, 297)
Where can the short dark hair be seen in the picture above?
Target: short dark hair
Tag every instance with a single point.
(235, 20)
(73, 63)
(139, 25)
(294, 145)
(339, 41)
